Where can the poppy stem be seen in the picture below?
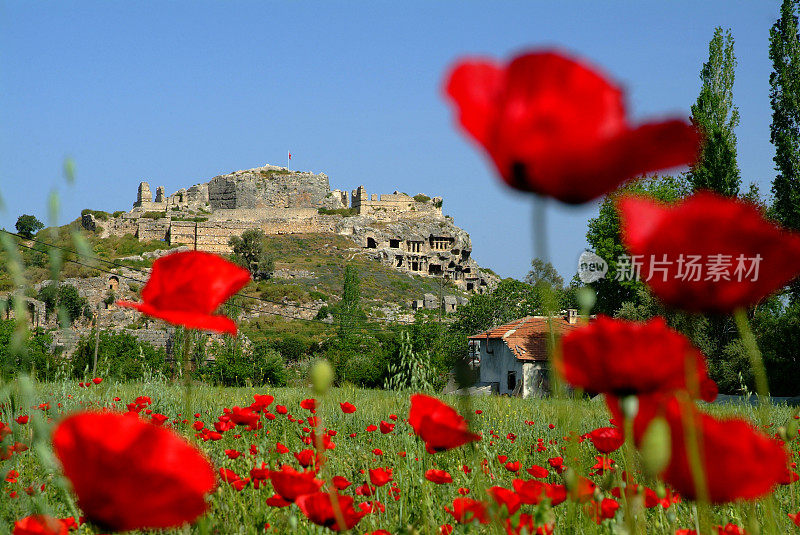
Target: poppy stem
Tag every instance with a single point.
(756, 361)
(693, 448)
(762, 388)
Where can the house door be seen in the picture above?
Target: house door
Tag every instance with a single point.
(512, 381)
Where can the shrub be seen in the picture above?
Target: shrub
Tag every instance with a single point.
(421, 197)
(154, 215)
(120, 355)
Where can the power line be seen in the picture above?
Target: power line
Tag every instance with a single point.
(109, 262)
(122, 266)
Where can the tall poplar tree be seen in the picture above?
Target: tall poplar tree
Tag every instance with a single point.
(716, 117)
(784, 96)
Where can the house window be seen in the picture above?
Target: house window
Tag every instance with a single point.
(414, 246)
(512, 380)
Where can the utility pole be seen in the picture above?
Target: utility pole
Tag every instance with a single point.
(96, 338)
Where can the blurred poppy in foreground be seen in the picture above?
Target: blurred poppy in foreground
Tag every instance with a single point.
(438, 424)
(186, 288)
(40, 525)
(627, 357)
(708, 253)
(738, 461)
(129, 474)
(318, 507)
(556, 126)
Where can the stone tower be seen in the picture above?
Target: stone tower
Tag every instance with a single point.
(143, 194)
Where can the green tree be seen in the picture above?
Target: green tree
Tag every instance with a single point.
(543, 273)
(715, 116)
(249, 251)
(605, 239)
(27, 225)
(784, 96)
(65, 296)
(349, 316)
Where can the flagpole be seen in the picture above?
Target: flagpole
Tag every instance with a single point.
(288, 157)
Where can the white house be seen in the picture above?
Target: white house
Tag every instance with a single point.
(512, 358)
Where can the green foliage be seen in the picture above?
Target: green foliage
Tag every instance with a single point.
(784, 96)
(439, 203)
(120, 355)
(511, 300)
(603, 236)
(192, 219)
(543, 274)
(292, 347)
(154, 215)
(28, 225)
(344, 212)
(98, 214)
(250, 253)
(421, 197)
(716, 117)
(413, 371)
(36, 357)
(236, 365)
(273, 290)
(349, 316)
(65, 296)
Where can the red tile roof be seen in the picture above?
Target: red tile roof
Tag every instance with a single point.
(527, 337)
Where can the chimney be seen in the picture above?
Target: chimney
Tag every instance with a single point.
(572, 316)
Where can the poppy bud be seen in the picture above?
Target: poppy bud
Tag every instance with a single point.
(656, 447)
(322, 376)
(586, 299)
(630, 406)
(792, 428)
(782, 433)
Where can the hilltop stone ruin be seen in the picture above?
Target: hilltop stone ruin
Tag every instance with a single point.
(410, 234)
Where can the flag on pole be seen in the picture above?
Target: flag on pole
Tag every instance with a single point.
(290, 155)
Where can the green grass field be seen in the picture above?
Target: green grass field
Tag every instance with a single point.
(420, 505)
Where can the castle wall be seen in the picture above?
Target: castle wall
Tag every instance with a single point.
(152, 229)
(264, 187)
(213, 236)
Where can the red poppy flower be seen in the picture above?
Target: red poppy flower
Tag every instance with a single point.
(607, 439)
(341, 482)
(22, 420)
(739, 462)
(129, 474)
(467, 510)
(438, 476)
(627, 357)
(438, 424)
(380, 476)
(291, 484)
(708, 253)
(40, 525)
(347, 407)
(526, 524)
(538, 471)
(795, 517)
(386, 427)
(505, 497)
(531, 491)
(318, 507)
(555, 126)
(277, 500)
(186, 288)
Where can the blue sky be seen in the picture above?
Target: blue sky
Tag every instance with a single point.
(176, 93)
